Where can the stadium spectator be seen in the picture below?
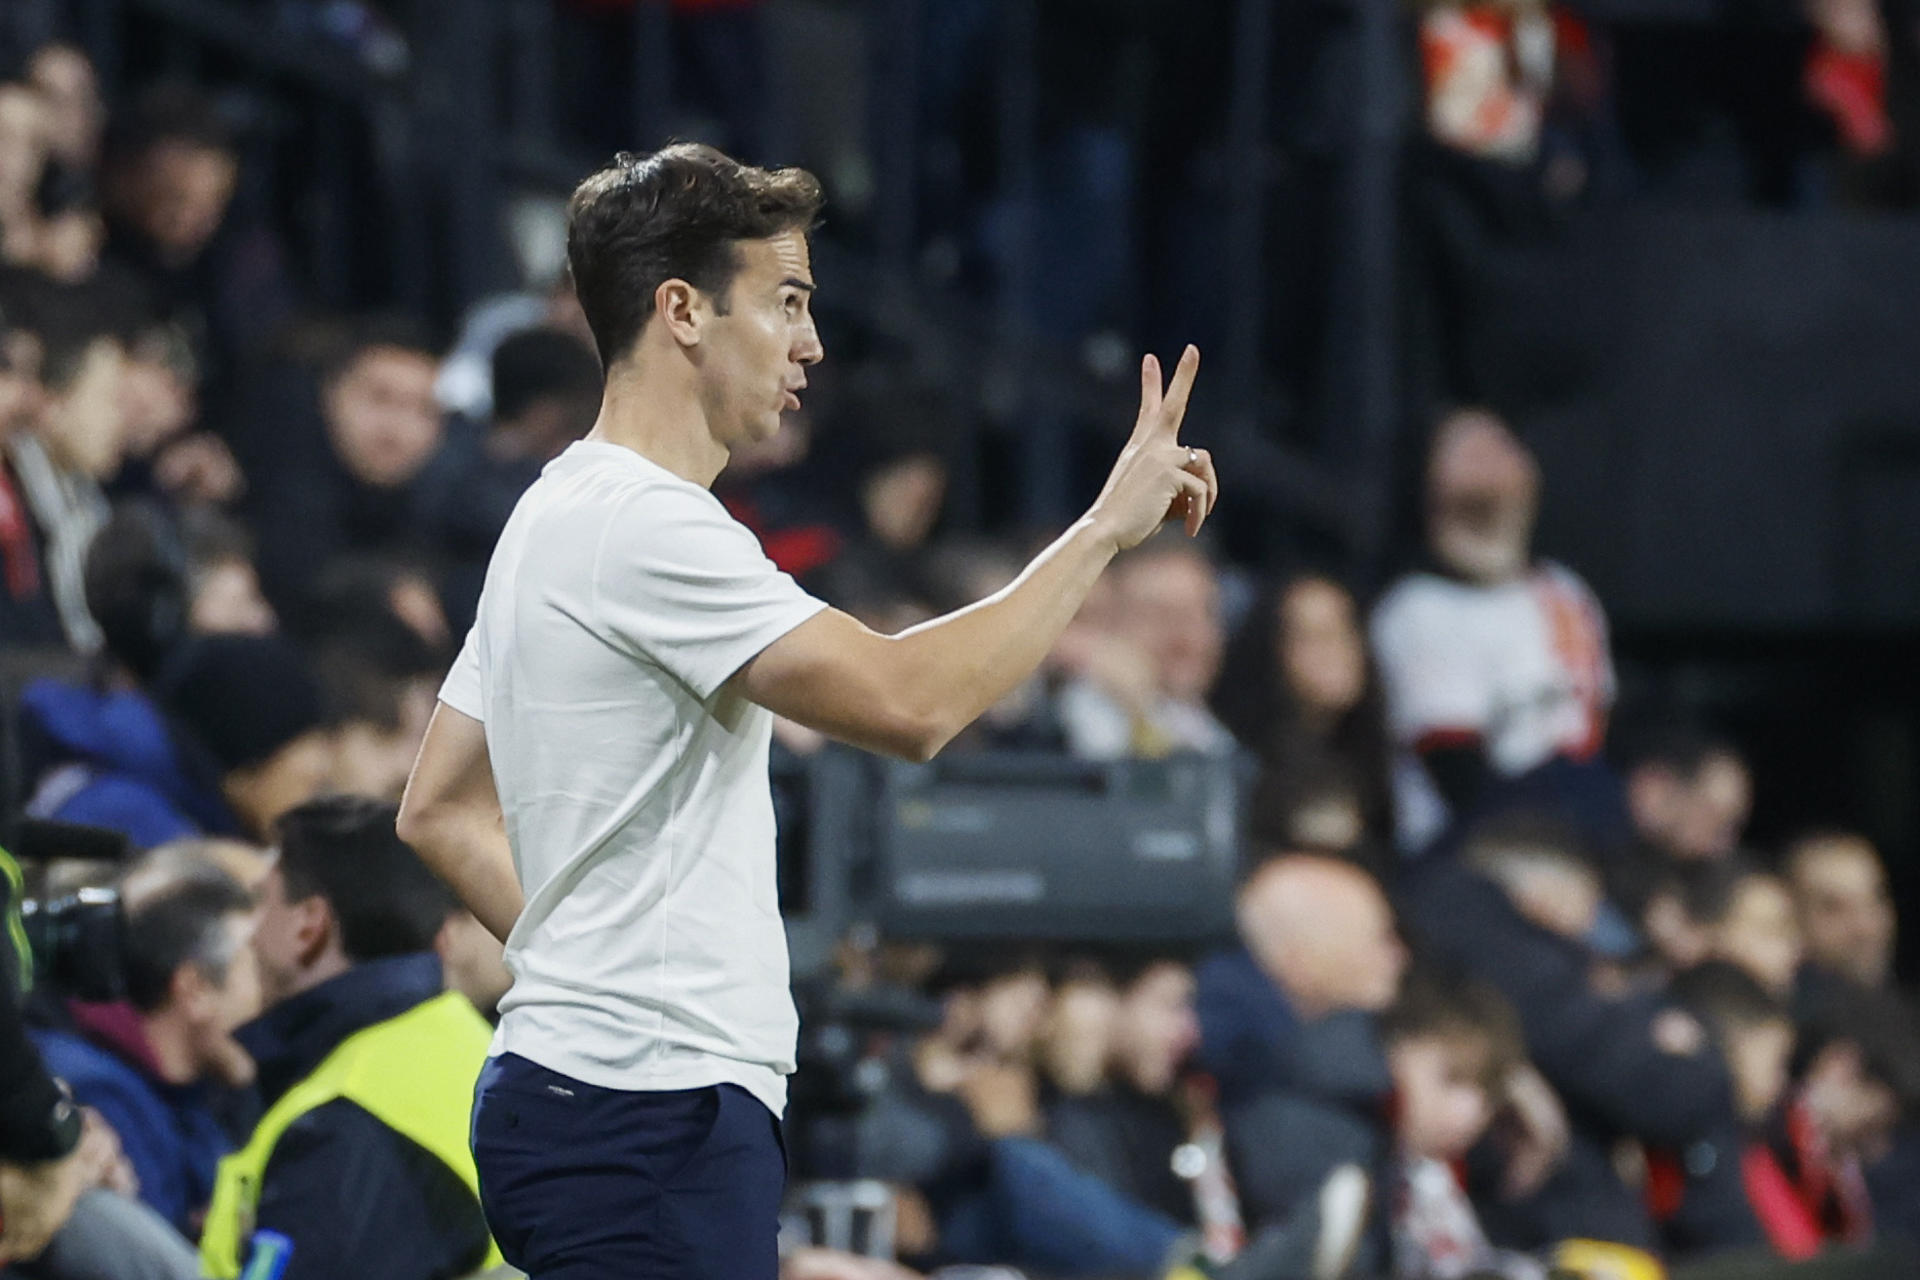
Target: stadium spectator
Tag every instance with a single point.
(378, 683)
(28, 616)
(967, 1128)
(1167, 598)
(890, 479)
(1452, 1050)
(1627, 1064)
(1727, 910)
(1078, 1032)
(23, 157)
(1751, 1030)
(1542, 869)
(360, 587)
(465, 385)
(770, 487)
(252, 704)
(1288, 1031)
(169, 169)
(349, 487)
(1754, 1037)
(230, 737)
(76, 116)
(366, 1067)
(147, 1064)
(223, 587)
(168, 453)
(75, 444)
(1846, 914)
(1126, 1132)
(1846, 82)
(1853, 1082)
(1689, 795)
(1758, 931)
(1489, 71)
(1297, 688)
(72, 235)
(1495, 664)
(546, 394)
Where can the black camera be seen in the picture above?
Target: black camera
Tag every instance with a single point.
(78, 944)
(76, 941)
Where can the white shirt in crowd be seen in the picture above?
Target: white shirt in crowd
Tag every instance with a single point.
(1522, 668)
(651, 955)
(1097, 727)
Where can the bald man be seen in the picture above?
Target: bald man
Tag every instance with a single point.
(1286, 1027)
(1321, 931)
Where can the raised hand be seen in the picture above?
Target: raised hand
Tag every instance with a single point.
(1157, 478)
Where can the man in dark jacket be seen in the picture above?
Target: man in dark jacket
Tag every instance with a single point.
(546, 391)
(359, 1166)
(1625, 1066)
(1287, 1028)
(55, 1164)
(343, 475)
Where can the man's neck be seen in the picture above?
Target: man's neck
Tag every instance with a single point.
(324, 970)
(652, 406)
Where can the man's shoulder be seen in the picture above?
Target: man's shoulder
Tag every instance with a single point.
(97, 1075)
(633, 496)
(1416, 597)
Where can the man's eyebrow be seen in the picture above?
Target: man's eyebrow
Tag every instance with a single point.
(797, 283)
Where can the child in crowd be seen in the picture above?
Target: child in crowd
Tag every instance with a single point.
(1451, 1049)
(1814, 1127)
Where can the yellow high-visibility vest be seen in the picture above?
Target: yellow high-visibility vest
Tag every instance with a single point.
(414, 1073)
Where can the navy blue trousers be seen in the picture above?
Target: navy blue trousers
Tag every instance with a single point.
(584, 1183)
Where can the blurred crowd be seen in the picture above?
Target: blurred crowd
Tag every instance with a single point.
(1507, 994)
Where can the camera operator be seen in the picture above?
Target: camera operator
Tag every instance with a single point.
(43, 1166)
(148, 1062)
(51, 1152)
(67, 1210)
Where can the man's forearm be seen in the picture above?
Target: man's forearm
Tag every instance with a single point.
(472, 856)
(963, 663)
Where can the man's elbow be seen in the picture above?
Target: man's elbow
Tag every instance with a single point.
(416, 822)
(918, 736)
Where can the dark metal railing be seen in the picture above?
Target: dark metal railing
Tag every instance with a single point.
(475, 116)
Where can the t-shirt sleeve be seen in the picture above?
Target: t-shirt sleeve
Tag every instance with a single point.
(680, 582)
(461, 689)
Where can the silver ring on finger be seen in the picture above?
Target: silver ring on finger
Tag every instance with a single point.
(1193, 455)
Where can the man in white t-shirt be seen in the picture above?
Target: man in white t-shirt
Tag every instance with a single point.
(1493, 663)
(594, 782)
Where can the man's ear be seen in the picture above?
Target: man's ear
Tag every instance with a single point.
(315, 928)
(683, 309)
(188, 988)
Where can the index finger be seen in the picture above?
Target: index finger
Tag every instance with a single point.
(1150, 388)
(1174, 408)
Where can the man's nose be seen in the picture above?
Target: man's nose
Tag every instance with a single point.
(808, 349)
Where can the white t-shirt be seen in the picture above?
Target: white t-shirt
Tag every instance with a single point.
(1522, 668)
(650, 956)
